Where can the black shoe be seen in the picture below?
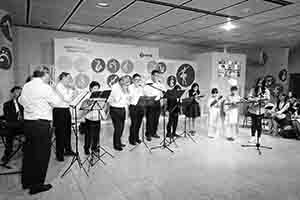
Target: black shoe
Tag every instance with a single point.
(123, 145)
(87, 152)
(168, 135)
(70, 153)
(155, 136)
(96, 150)
(41, 188)
(132, 143)
(148, 138)
(118, 148)
(176, 135)
(60, 159)
(138, 141)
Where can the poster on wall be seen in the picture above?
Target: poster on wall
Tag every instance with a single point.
(87, 60)
(185, 75)
(6, 57)
(283, 74)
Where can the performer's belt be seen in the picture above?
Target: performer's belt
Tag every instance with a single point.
(38, 120)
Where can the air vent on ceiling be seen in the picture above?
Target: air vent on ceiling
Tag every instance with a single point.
(280, 2)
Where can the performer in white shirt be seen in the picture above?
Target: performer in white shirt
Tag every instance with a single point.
(38, 98)
(136, 112)
(62, 120)
(153, 88)
(118, 100)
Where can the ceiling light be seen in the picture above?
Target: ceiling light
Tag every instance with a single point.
(228, 25)
(102, 5)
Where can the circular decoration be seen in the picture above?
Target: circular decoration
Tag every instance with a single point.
(171, 81)
(5, 58)
(113, 65)
(82, 81)
(127, 66)
(152, 65)
(283, 75)
(81, 64)
(64, 63)
(270, 81)
(98, 65)
(112, 79)
(162, 67)
(185, 75)
(5, 25)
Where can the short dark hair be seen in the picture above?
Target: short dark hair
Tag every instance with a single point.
(28, 79)
(177, 87)
(93, 84)
(63, 75)
(41, 71)
(155, 72)
(15, 88)
(136, 75)
(233, 88)
(214, 91)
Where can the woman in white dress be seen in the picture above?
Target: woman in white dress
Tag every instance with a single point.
(231, 108)
(214, 115)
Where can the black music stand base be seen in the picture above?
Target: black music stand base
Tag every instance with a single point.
(257, 146)
(80, 164)
(163, 146)
(186, 134)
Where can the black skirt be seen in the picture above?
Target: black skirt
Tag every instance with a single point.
(193, 110)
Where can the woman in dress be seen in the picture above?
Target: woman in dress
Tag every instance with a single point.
(193, 111)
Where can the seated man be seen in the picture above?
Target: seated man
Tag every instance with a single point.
(13, 115)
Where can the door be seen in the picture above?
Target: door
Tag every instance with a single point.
(295, 84)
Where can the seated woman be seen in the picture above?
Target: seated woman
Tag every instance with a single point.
(280, 114)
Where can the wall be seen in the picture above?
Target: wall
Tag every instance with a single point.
(277, 60)
(294, 60)
(35, 46)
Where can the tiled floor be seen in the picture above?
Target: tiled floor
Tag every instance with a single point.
(209, 169)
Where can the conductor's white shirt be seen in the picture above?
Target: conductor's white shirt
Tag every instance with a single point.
(38, 99)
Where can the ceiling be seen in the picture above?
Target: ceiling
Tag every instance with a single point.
(192, 22)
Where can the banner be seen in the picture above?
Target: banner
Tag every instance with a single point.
(103, 62)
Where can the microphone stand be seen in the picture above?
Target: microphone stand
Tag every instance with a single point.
(76, 157)
(258, 145)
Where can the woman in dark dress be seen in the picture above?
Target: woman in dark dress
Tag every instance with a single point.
(193, 111)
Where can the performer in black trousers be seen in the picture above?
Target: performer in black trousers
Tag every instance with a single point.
(153, 88)
(13, 115)
(257, 110)
(174, 109)
(136, 112)
(62, 121)
(37, 98)
(118, 101)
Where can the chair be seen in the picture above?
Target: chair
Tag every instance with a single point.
(20, 143)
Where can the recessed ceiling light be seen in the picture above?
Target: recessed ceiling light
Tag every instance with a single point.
(102, 5)
(228, 26)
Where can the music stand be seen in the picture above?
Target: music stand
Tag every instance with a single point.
(164, 144)
(97, 98)
(186, 102)
(144, 101)
(174, 94)
(257, 145)
(76, 157)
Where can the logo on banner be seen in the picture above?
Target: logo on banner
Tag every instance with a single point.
(112, 79)
(113, 65)
(5, 24)
(171, 81)
(162, 67)
(5, 58)
(127, 66)
(82, 81)
(185, 75)
(98, 65)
